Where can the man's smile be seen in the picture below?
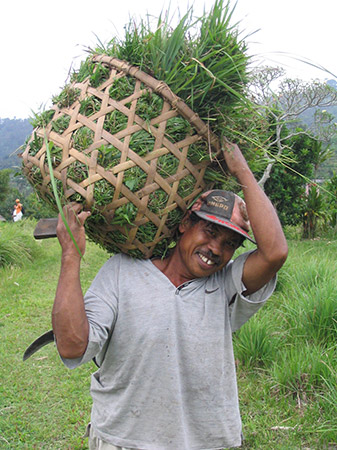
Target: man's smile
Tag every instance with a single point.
(208, 259)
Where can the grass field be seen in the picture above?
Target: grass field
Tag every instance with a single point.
(286, 355)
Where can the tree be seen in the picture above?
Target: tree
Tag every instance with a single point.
(283, 105)
(38, 208)
(284, 187)
(320, 155)
(314, 210)
(4, 183)
(330, 201)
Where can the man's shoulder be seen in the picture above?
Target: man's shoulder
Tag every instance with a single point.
(123, 259)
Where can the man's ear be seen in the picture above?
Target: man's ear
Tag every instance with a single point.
(185, 223)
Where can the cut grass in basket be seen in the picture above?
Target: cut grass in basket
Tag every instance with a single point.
(203, 60)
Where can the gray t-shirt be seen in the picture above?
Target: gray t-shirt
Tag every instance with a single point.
(167, 374)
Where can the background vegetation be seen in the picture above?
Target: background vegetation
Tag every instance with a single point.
(286, 355)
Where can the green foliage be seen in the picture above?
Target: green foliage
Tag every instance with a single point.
(330, 202)
(256, 344)
(285, 187)
(326, 167)
(330, 394)
(36, 207)
(315, 313)
(300, 373)
(4, 183)
(17, 246)
(40, 119)
(66, 97)
(314, 209)
(43, 405)
(18, 187)
(293, 338)
(7, 205)
(321, 153)
(296, 198)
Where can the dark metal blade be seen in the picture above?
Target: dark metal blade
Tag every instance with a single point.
(40, 342)
(45, 228)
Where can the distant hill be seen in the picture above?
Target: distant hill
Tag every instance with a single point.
(13, 133)
(332, 83)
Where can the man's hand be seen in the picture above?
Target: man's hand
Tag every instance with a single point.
(235, 160)
(75, 218)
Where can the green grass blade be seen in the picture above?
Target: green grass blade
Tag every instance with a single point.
(57, 198)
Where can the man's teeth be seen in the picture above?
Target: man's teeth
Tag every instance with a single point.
(206, 260)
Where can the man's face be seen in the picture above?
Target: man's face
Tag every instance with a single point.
(205, 248)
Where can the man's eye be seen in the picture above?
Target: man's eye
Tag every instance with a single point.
(211, 233)
(231, 244)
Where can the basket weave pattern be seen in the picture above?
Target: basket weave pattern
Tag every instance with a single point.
(109, 233)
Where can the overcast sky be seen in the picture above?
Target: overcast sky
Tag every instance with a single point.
(41, 40)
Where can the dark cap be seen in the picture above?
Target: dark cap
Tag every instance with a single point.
(224, 208)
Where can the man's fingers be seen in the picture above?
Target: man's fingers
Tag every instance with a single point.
(82, 217)
(73, 212)
(74, 207)
(228, 146)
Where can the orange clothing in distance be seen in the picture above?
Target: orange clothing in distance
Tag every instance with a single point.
(18, 208)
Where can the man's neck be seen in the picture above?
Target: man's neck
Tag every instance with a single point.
(172, 269)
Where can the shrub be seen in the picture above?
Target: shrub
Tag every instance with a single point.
(17, 245)
(309, 303)
(257, 343)
(329, 396)
(299, 371)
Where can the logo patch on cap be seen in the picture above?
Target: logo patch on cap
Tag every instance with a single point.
(218, 202)
(219, 198)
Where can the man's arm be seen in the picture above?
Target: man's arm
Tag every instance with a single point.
(272, 249)
(70, 323)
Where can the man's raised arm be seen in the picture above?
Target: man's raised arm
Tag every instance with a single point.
(272, 249)
(70, 324)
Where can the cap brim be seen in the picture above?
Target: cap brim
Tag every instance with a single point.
(224, 223)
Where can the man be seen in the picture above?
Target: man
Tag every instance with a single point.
(17, 212)
(160, 329)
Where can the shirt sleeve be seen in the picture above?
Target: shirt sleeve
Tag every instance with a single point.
(101, 306)
(241, 308)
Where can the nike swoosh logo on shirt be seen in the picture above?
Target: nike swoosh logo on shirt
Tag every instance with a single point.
(209, 291)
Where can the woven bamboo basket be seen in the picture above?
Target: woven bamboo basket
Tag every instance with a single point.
(81, 172)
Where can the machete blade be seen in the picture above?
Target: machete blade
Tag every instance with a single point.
(45, 228)
(40, 342)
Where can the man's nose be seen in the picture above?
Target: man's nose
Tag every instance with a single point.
(215, 246)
